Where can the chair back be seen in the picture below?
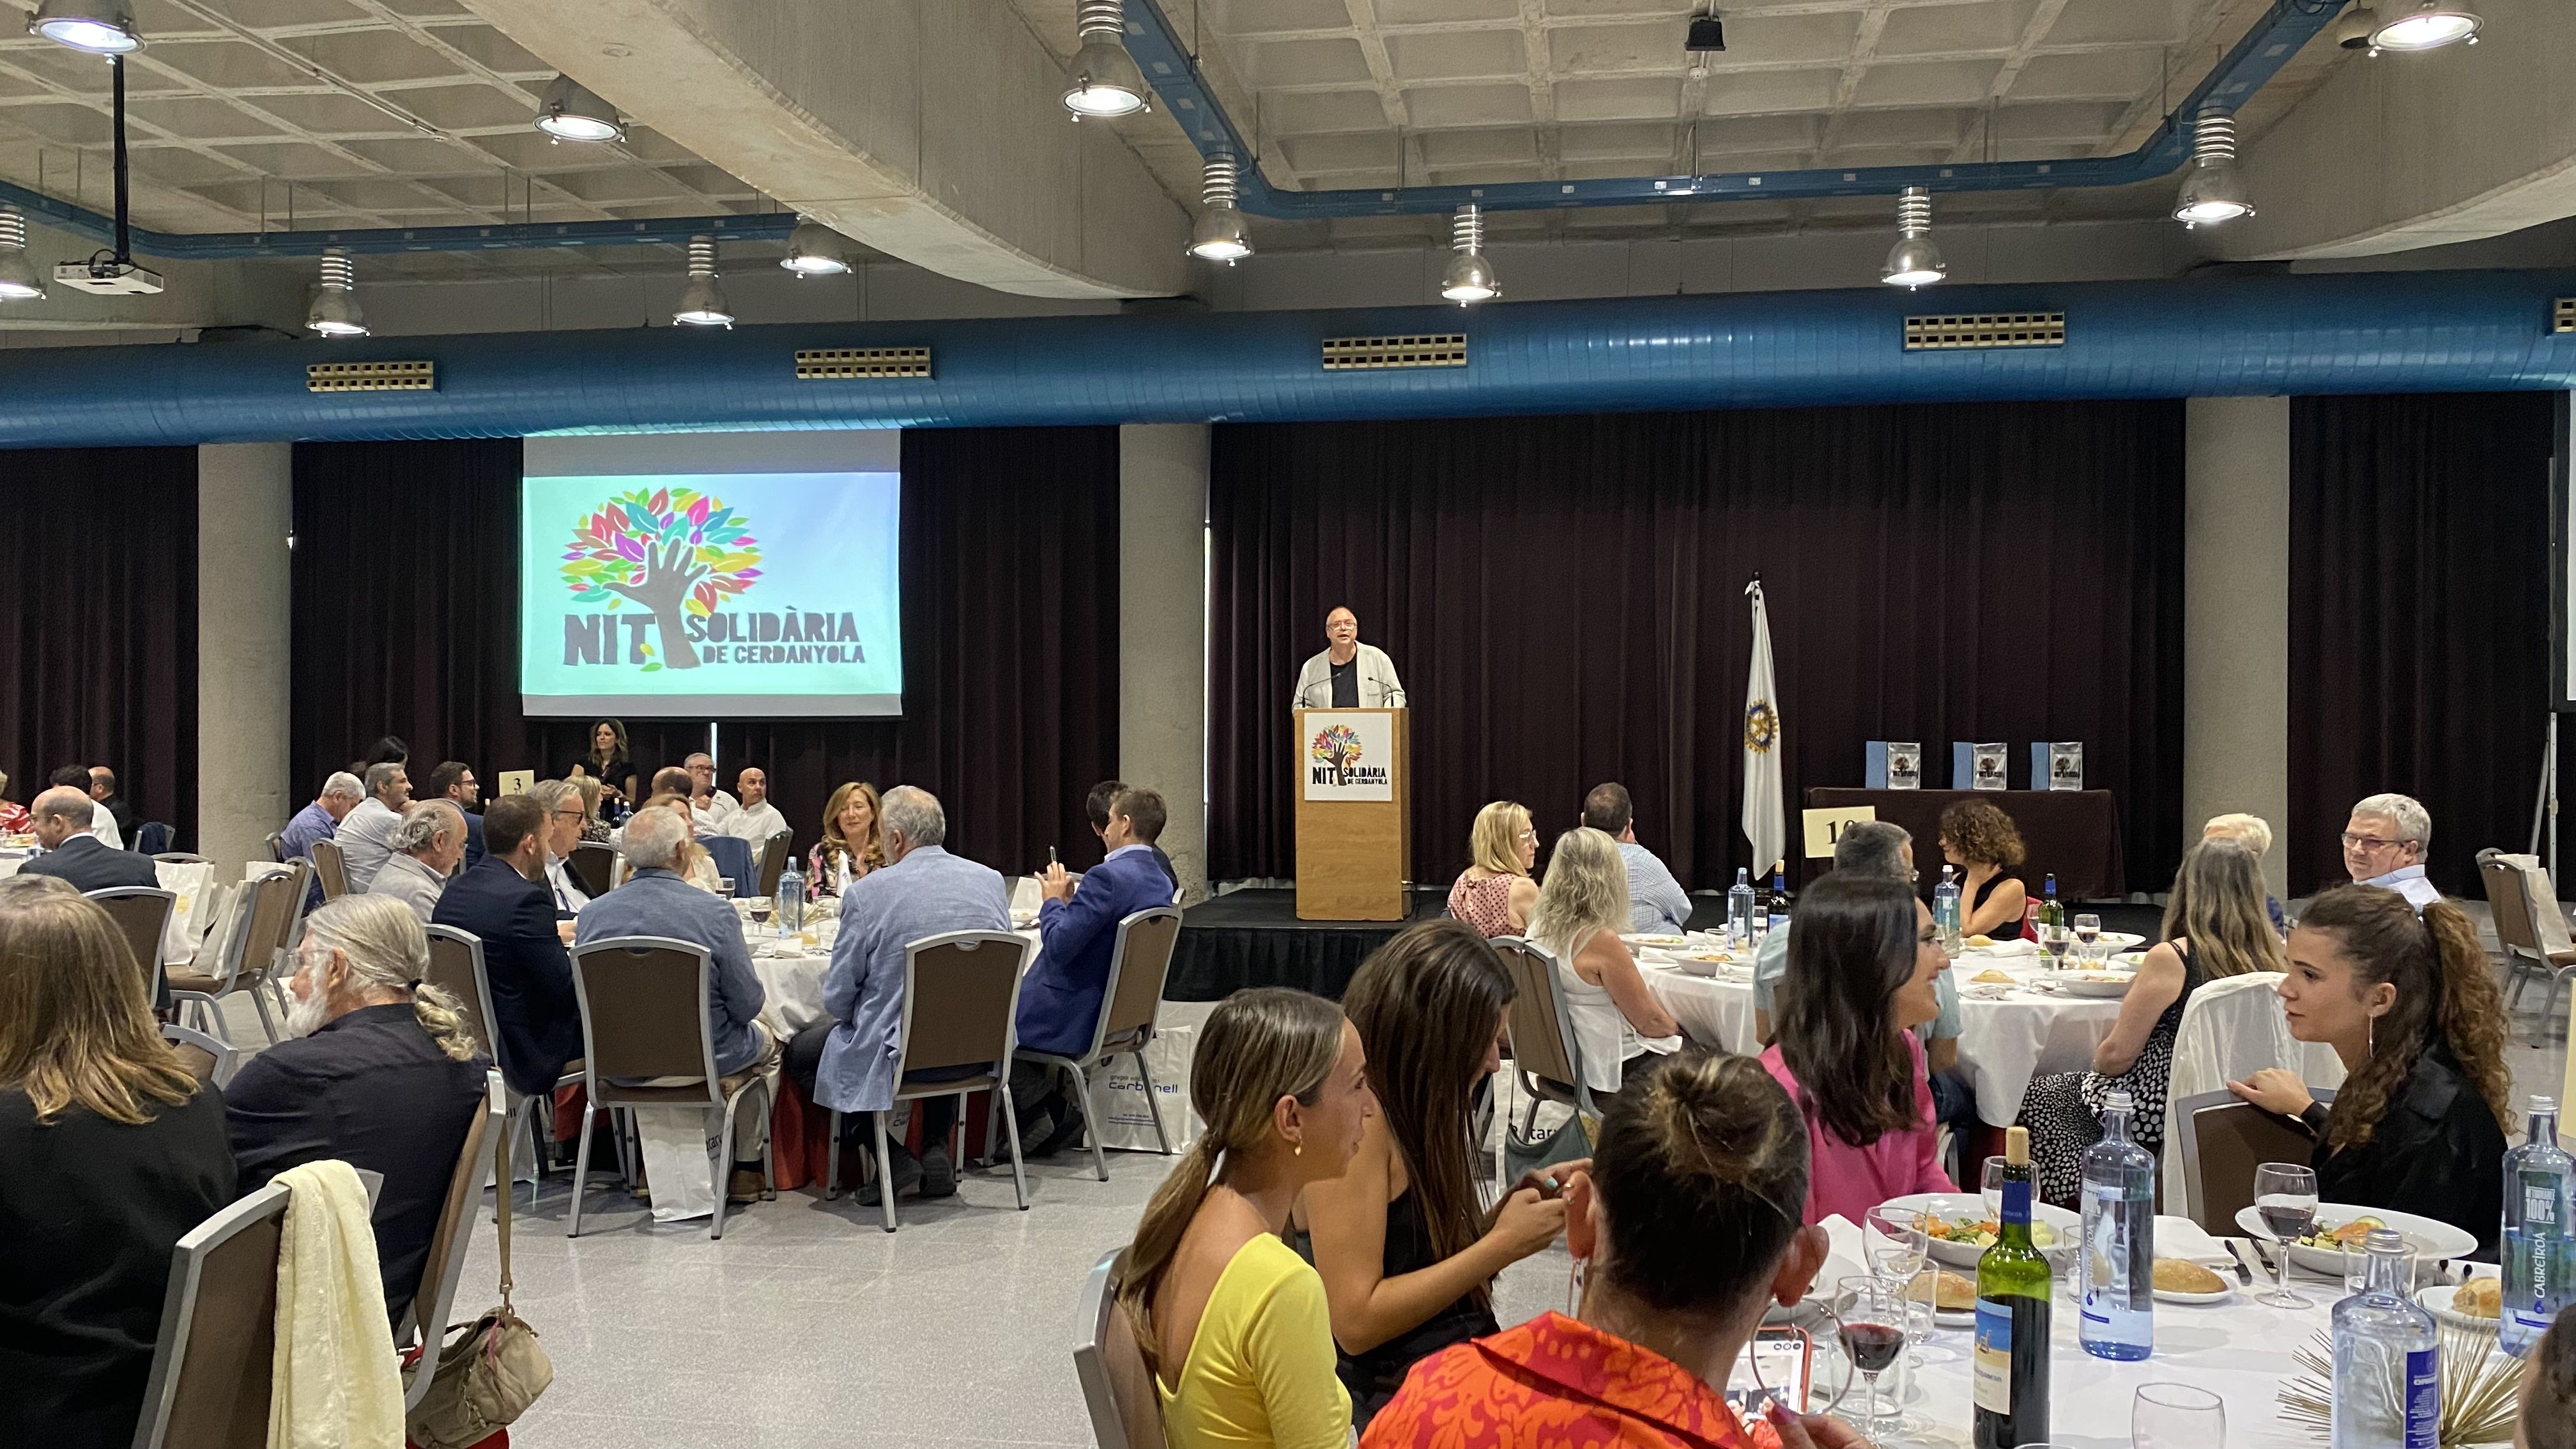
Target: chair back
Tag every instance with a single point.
(961, 997)
(1126, 1411)
(1542, 1036)
(152, 837)
(142, 916)
(2222, 1139)
(277, 846)
(595, 862)
(456, 967)
(441, 1270)
(1139, 963)
(2507, 902)
(2232, 1028)
(773, 860)
(209, 1384)
(220, 954)
(277, 900)
(211, 1061)
(328, 864)
(644, 1014)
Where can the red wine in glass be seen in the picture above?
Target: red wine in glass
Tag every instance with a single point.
(2288, 1221)
(1872, 1346)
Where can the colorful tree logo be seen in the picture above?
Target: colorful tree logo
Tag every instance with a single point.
(675, 551)
(1339, 747)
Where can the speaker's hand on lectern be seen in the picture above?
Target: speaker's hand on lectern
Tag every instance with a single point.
(1057, 883)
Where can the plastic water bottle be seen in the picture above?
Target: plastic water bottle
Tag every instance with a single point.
(1945, 910)
(1777, 908)
(2387, 1361)
(1739, 910)
(2539, 1245)
(791, 898)
(2118, 1265)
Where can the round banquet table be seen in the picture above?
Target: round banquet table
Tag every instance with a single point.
(2008, 1034)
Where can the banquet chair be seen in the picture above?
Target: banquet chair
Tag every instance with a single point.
(456, 966)
(331, 868)
(2221, 1139)
(1547, 1059)
(444, 1267)
(2232, 1028)
(643, 1003)
(596, 863)
(2524, 929)
(210, 1061)
(152, 838)
(142, 916)
(961, 1001)
(277, 847)
(260, 929)
(1117, 1387)
(773, 861)
(1139, 963)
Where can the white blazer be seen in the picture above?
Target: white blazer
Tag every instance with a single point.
(1379, 688)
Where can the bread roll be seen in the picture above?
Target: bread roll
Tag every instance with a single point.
(2178, 1275)
(2478, 1298)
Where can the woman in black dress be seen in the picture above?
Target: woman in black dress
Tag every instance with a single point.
(607, 762)
(1980, 839)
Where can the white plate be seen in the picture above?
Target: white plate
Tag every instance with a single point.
(1655, 938)
(2120, 940)
(2115, 983)
(2437, 1300)
(1972, 1205)
(2226, 1290)
(1819, 1292)
(2429, 1237)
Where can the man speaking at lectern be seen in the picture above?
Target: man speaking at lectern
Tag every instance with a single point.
(1348, 674)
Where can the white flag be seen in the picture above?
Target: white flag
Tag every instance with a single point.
(1766, 822)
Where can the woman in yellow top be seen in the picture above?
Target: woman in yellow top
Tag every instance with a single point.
(1234, 1323)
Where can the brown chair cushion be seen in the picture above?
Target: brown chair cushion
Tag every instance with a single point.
(184, 980)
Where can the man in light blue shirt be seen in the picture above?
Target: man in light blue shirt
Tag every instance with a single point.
(321, 821)
(1656, 901)
(2384, 844)
(846, 1061)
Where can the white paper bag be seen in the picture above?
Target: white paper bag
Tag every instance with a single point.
(190, 882)
(680, 1145)
(1118, 1107)
(217, 919)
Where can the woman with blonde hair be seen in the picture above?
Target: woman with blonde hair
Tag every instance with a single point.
(593, 829)
(13, 816)
(2214, 926)
(109, 1152)
(1494, 893)
(1620, 1026)
(852, 845)
(1234, 1325)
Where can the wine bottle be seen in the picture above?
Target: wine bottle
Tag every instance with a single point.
(2014, 1290)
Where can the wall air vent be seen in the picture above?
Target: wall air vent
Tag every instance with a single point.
(815, 364)
(2562, 317)
(1372, 354)
(1985, 329)
(371, 377)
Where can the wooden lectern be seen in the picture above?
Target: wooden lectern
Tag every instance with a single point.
(1354, 814)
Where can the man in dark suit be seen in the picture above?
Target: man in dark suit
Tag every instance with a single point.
(1077, 932)
(62, 818)
(1095, 808)
(504, 902)
(102, 789)
(453, 781)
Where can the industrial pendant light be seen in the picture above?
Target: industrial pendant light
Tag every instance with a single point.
(1218, 235)
(815, 250)
(18, 279)
(2428, 26)
(2213, 190)
(1914, 261)
(2354, 30)
(101, 27)
(1470, 278)
(335, 311)
(1103, 79)
(702, 302)
(572, 111)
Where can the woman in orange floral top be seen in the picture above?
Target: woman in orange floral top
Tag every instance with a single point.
(1689, 1221)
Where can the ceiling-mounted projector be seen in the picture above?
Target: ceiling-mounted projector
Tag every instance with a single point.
(109, 278)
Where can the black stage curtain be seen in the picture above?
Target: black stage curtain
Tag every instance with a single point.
(2419, 607)
(100, 558)
(1564, 598)
(1010, 542)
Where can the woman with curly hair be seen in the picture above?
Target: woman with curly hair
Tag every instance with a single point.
(1979, 838)
(851, 845)
(2412, 1008)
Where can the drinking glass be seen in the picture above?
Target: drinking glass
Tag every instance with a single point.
(1991, 1184)
(2177, 1416)
(2285, 1196)
(760, 906)
(2088, 939)
(2052, 947)
(1898, 1247)
(727, 883)
(1872, 1327)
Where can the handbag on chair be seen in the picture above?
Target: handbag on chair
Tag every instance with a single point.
(486, 1379)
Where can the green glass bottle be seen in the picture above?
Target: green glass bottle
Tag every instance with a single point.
(2013, 1295)
(2052, 923)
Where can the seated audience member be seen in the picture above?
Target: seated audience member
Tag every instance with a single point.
(1862, 960)
(850, 847)
(2548, 1408)
(1235, 1327)
(2384, 844)
(13, 816)
(1979, 838)
(699, 867)
(563, 821)
(607, 762)
(102, 791)
(2255, 834)
(669, 783)
(505, 902)
(62, 819)
(2412, 1008)
(428, 846)
(845, 1062)
(1619, 1025)
(103, 825)
(593, 829)
(656, 901)
(715, 809)
(1095, 808)
(110, 1151)
(378, 1070)
(1656, 901)
(1688, 1220)
(367, 835)
(453, 781)
(387, 750)
(754, 819)
(1495, 894)
(2214, 927)
(321, 821)
(1407, 1256)
(1077, 933)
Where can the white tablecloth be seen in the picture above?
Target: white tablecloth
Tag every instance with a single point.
(2002, 1043)
(792, 974)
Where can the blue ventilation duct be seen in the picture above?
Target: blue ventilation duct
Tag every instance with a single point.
(2327, 333)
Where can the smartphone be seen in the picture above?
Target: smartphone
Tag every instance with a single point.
(1787, 1355)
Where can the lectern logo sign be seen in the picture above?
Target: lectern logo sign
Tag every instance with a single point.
(1337, 748)
(1349, 757)
(675, 551)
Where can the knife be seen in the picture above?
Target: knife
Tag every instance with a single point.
(2243, 1275)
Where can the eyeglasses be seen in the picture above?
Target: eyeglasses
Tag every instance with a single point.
(2368, 842)
(569, 815)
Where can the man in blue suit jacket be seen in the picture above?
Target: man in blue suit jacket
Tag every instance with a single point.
(504, 901)
(1077, 931)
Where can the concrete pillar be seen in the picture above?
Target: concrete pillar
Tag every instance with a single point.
(1162, 631)
(245, 508)
(2236, 617)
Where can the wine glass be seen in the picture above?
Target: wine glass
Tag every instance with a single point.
(2088, 938)
(2177, 1416)
(1898, 1246)
(725, 884)
(760, 906)
(1991, 1184)
(1872, 1328)
(2285, 1197)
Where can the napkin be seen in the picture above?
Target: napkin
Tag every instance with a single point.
(2015, 947)
(2185, 1239)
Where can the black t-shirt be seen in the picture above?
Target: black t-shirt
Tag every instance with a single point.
(1346, 684)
